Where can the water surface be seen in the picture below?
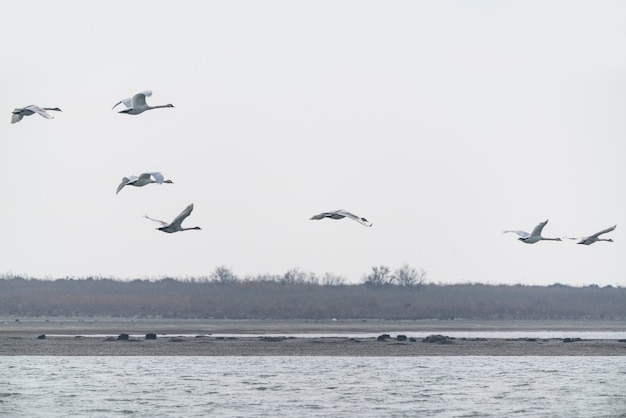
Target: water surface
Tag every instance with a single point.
(312, 386)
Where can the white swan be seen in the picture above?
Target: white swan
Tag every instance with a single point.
(596, 237)
(175, 226)
(533, 237)
(142, 180)
(20, 112)
(340, 214)
(137, 104)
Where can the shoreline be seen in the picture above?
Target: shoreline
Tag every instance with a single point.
(85, 337)
(284, 346)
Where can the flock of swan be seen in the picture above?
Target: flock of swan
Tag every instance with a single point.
(136, 105)
(536, 236)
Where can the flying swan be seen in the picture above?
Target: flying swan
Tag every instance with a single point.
(596, 237)
(175, 226)
(20, 112)
(340, 214)
(142, 180)
(533, 237)
(137, 104)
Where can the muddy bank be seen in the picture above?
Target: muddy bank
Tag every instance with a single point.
(99, 337)
(284, 346)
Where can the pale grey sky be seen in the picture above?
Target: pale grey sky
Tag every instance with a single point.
(442, 122)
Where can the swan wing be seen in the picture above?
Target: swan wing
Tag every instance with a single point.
(16, 117)
(158, 177)
(40, 111)
(335, 214)
(126, 102)
(139, 99)
(354, 217)
(319, 216)
(144, 178)
(122, 184)
(521, 234)
(537, 231)
(604, 231)
(180, 218)
(345, 213)
(156, 220)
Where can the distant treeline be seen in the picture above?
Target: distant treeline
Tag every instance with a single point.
(292, 298)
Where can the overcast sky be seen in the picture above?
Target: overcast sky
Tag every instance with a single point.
(442, 122)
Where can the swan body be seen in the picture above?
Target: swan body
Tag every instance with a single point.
(142, 180)
(340, 214)
(596, 237)
(534, 236)
(137, 104)
(20, 112)
(175, 225)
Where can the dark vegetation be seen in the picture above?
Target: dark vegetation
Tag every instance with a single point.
(402, 294)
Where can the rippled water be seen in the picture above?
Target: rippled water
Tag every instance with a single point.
(313, 386)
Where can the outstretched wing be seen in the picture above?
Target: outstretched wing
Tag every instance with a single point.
(604, 231)
(126, 102)
(144, 178)
(537, 231)
(16, 117)
(352, 216)
(521, 234)
(39, 110)
(335, 214)
(180, 218)
(319, 216)
(158, 177)
(139, 99)
(122, 184)
(156, 220)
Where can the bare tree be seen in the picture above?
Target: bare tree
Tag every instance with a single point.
(378, 277)
(407, 276)
(297, 276)
(224, 275)
(330, 279)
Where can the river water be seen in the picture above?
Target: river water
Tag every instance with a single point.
(313, 386)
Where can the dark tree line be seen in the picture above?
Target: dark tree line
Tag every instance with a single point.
(298, 295)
